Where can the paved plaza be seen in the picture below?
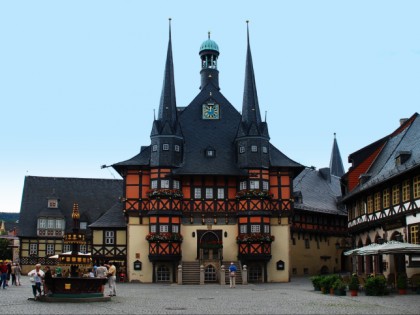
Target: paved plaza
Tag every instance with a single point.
(296, 297)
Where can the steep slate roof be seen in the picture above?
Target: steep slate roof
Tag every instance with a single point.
(94, 197)
(384, 167)
(113, 218)
(336, 164)
(320, 191)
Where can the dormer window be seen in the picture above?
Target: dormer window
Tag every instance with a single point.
(264, 149)
(402, 157)
(210, 152)
(254, 148)
(177, 148)
(52, 203)
(241, 149)
(154, 148)
(165, 147)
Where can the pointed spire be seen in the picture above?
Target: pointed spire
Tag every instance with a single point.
(336, 164)
(167, 106)
(250, 107)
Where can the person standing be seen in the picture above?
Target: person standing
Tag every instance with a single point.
(112, 279)
(101, 271)
(47, 281)
(3, 274)
(232, 274)
(14, 274)
(37, 275)
(18, 273)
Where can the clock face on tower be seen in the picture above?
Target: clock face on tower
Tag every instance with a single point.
(211, 111)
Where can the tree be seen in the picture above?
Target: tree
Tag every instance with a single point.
(5, 249)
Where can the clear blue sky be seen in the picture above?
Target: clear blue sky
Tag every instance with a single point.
(79, 79)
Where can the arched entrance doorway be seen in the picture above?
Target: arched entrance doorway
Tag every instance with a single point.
(210, 245)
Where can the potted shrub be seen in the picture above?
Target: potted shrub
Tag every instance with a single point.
(354, 285)
(376, 286)
(339, 287)
(402, 283)
(316, 282)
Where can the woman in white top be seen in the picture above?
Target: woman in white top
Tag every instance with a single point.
(37, 275)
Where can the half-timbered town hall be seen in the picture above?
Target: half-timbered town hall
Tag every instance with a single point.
(210, 188)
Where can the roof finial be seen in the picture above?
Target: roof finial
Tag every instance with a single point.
(334, 135)
(209, 34)
(247, 30)
(170, 19)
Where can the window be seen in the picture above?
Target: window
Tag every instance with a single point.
(109, 237)
(241, 149)
(242, 185)
(66, 248)
(254, 184)
(83, 225)
(165, 147)
(414, 234)
(370, 204)
(164, 183)
(307, 244)
(406, 190)
(209, 193)
(51, 223)
(177, 148)
(305, 271)
(154, 184)
(210, 153)
(59, 224)
(33, 249)
(385, 198)
(42, 223)
(220, 193)
(154, 148)
(176, 184)
(50, 249)
(265, 149)
(255, 228)
(197, 193)
(377, 201)
(266, 228)
(83, 249)
(416, 187)
(163, 274)
(163, 228)
(395, 195)
(265, 185)
(254, 148)
(153, 228)
(52, 203)
(175, 228)
(243, 229)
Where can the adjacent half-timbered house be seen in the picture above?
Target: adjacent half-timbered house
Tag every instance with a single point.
(383, 197)
(210, 188)
(46, 209)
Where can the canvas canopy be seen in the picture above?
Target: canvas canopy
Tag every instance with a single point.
(391, 247)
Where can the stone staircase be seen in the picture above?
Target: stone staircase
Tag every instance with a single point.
(190, 272)
(238, 279)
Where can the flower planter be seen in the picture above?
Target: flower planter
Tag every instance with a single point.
(353, 292)
(402, 291)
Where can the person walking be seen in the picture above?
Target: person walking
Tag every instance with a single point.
(37, 274)
(112, 279)
(232, 274)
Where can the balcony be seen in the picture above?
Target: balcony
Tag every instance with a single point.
(254, 246)
(164, 246)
